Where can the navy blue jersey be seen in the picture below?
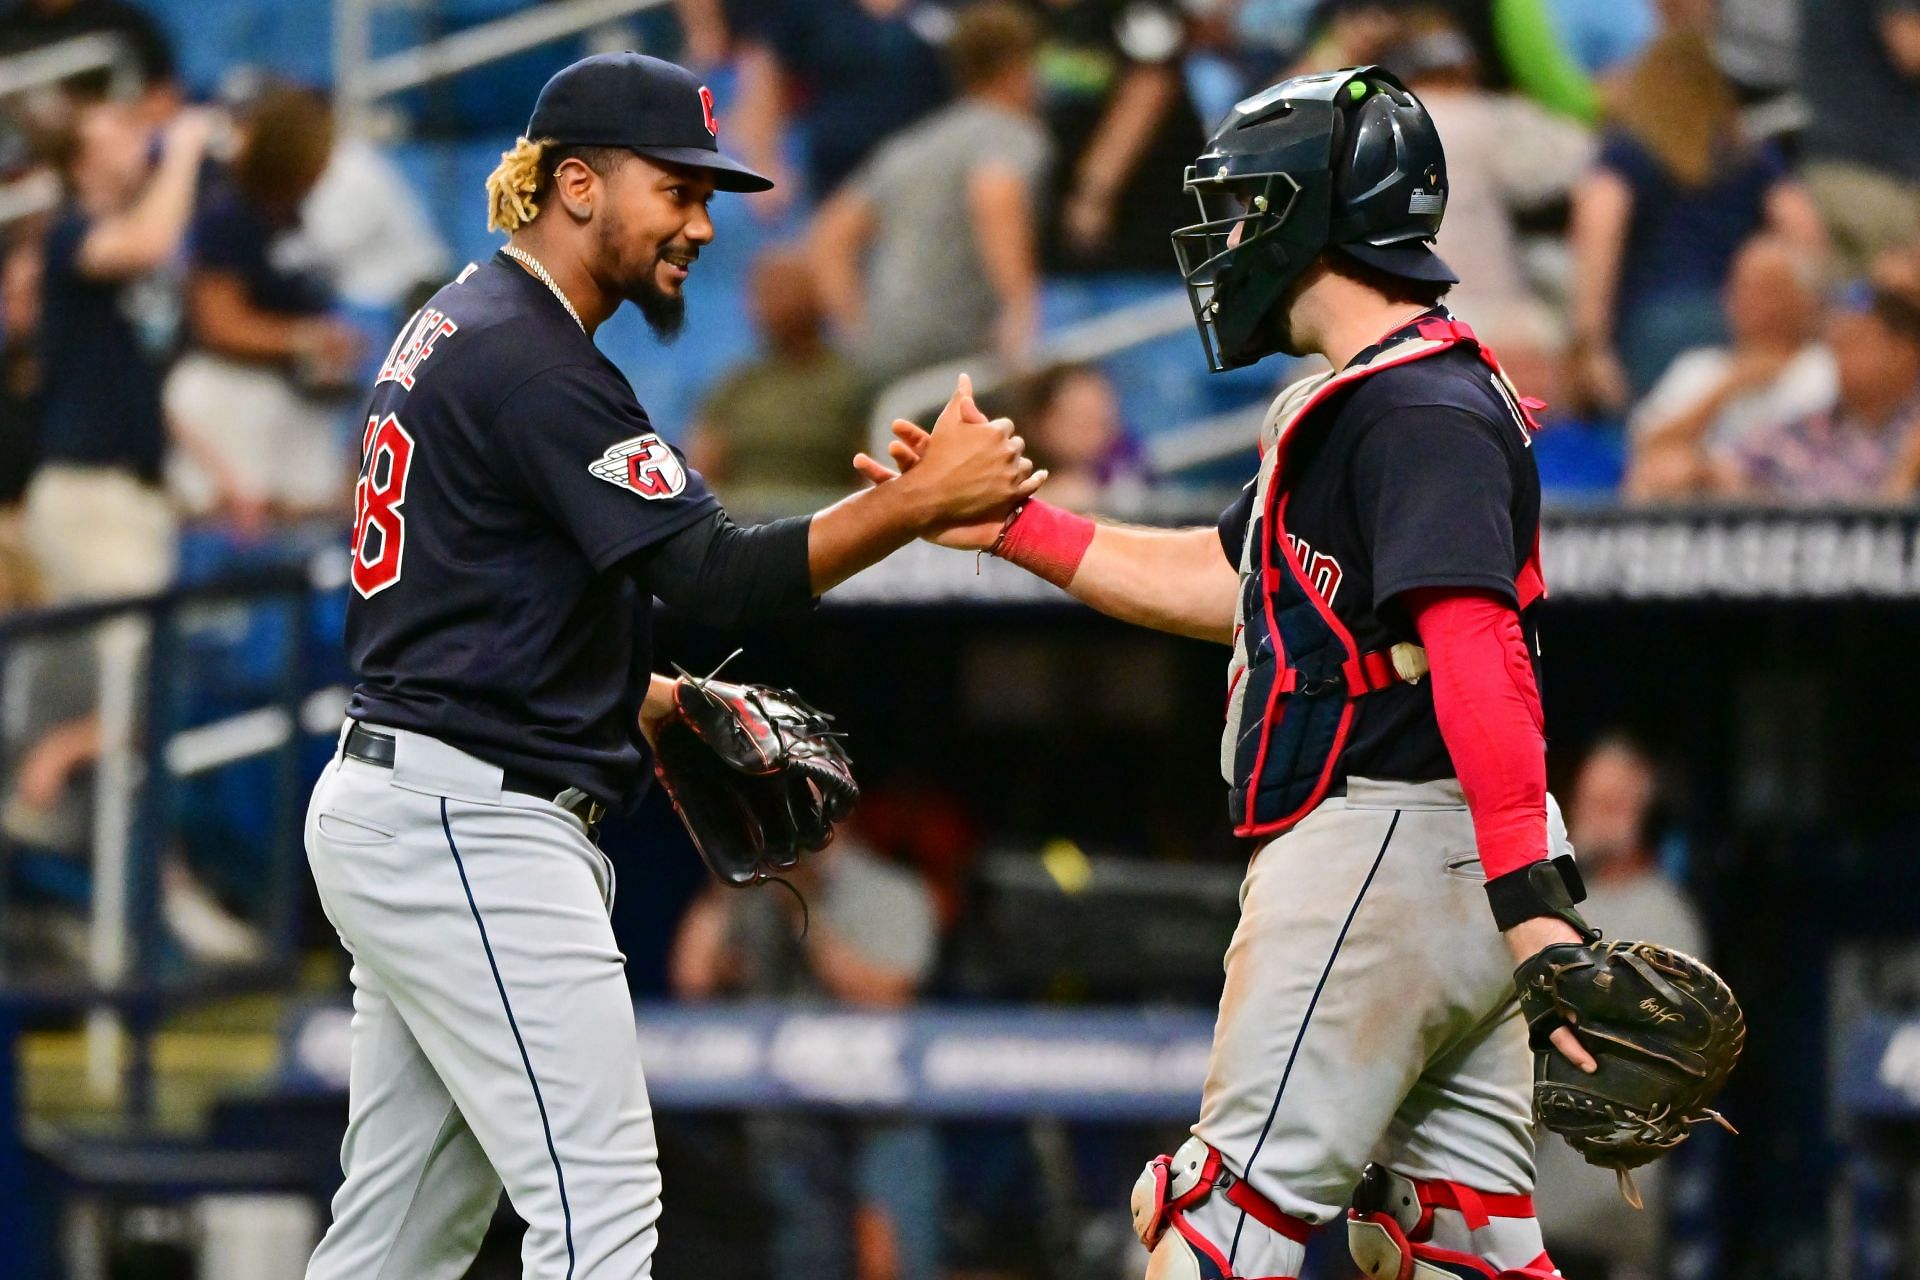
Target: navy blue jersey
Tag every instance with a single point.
(507, 469)
(1421, 475)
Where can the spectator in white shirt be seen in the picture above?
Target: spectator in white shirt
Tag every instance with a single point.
(1710, 399)
(367, 223)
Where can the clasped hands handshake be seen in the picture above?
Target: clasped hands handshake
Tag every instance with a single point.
(967, 474)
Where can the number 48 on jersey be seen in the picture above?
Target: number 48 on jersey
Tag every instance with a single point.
(379, 528)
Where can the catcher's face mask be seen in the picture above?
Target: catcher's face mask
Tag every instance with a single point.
(1254, 239)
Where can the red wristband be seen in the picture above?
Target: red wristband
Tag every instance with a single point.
(1046, 541)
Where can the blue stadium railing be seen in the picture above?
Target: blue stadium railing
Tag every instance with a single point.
(227, 705)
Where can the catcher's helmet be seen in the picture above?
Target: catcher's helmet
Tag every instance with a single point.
(1346, 159)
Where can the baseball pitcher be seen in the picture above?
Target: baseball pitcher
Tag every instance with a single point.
(516, 515)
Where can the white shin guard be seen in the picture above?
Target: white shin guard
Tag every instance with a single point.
(1174, 1259)
(1201, 1223)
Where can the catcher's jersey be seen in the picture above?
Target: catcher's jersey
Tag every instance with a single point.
(506, 469)
(1420, 475)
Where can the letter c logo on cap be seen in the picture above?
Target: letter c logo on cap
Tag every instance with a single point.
(706, 107)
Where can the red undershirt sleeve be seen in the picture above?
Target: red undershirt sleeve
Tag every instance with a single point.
(1488, 706)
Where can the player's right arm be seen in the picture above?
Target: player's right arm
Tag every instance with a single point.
(725, 574)
(1174, 580)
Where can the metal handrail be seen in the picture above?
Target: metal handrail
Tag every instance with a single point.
(360, 79)
(53, 63)
(236, 586)
(1205, 441)
(142, 756)
(37, 192)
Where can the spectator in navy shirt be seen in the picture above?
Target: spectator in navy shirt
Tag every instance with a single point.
(96, 519)
(850, 73)
(1676, 191)
(264, 384)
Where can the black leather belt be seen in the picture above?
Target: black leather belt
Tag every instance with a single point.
(369, 746)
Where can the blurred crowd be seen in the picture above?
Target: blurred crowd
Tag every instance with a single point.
(186, 320)
(1692, 229)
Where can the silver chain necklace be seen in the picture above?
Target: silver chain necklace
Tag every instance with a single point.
(541, 274)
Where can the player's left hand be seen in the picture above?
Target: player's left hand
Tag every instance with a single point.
(657, 707)
(1526, 940)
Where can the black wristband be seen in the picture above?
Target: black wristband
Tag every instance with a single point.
(1547, 888)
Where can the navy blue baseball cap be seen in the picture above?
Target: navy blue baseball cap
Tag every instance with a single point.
(656, 108)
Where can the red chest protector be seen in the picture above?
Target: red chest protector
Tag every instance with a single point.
(1296, 672)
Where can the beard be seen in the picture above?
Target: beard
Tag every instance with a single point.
(665, 313)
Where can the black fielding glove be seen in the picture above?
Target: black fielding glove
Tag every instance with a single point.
(757, 776)
(1664, 1029)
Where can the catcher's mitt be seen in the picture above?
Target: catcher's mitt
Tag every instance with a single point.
(1664, 1030)
(757, 776)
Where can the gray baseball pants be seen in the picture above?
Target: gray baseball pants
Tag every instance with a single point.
(1369, 1013)
(493, 1034)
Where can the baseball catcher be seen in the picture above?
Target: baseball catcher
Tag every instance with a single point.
(1375, 584)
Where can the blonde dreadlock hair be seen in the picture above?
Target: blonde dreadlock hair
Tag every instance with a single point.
(519, 182)
(513, 188)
